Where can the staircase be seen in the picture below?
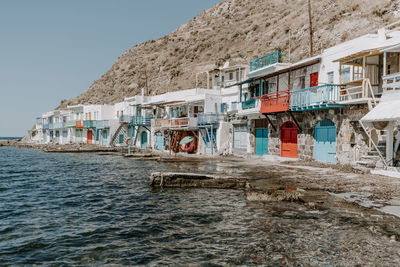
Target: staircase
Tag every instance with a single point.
(122, 129)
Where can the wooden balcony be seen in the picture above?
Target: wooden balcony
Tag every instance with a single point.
(275, 102)
(315, 98)
(160, 123)
(391, 82)
(355, 92)
(186, 122)
(79, 124)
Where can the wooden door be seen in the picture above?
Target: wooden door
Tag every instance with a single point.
(325, 142)
(261, 142)
(89, 137)
(289, 140)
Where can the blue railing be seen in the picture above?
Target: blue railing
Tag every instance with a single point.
(264, 61)
(102, 124)
(249, 104)
(125, 119)
(89, 124)
(208, 118)
(314, 97)
(141, 120)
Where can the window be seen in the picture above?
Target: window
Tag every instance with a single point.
(357, 73)
(237, 75)
(231, 76)
(302, 81)
(345, 73)
(331, 77)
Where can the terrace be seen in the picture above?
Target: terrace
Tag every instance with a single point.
(187, 122)
(102, 124)
(204, 119)
(141, 120)
(70, 124)
(125, 119)
(89, 124)
(315, 98)
(275, 102)
(269, 59)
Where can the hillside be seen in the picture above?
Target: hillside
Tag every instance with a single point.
(238, 31)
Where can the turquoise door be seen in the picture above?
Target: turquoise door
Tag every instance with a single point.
(104, 137)
(325, 142)
(143, 140)
(159, 142)
(121, 138)
(261, 142)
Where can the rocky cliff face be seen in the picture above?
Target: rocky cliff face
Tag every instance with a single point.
(238, 31)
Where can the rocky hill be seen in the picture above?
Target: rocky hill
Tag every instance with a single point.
(238, 31)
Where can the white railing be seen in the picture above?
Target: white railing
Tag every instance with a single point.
(391, 82)
(358, 92)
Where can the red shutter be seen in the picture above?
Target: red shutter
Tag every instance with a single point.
(314, 79)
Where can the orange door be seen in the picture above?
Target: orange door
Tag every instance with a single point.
(289, 140)
(89, 137)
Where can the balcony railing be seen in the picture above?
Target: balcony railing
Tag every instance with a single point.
(275, 102)
(89, 124)
(264, 61)
(70, 124)
(125, 119)
(314, 97)
(249, 104)
(391, 82)
(141, 120)
(58, 125)
(160, 123)
(79, 124)
(51, 125)
(234, 106)
(102, 124)
(208, 118)
(46, 126)
(184, 122)
(355, 93)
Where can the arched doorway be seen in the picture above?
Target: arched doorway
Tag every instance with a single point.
(325, 142)
(143, 140)
(289, 140)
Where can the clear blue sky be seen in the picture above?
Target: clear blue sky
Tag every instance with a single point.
(52, 50)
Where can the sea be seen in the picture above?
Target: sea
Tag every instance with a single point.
(98, 210)
(10, 138)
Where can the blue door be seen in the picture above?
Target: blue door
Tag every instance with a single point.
(104, 137)
(121, 139)
(143, 140)
(159, 142)
(261, 142)
(325, 142)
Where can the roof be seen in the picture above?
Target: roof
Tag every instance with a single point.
(386, 110)
(364, 53)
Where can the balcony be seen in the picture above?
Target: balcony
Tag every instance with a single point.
(79, 124)
(275, 102)
(51, 125)
(46, 126)
(264, 61)
(125, 119)
(102, 124)
(204, 119)
(187, 122)
(391, 82)
(89, 124)
(160, 123)
(249, 104)
(141, 120)
(356, 92)
(315, 98)
(70, 124)
(234, 106)
(59, 125)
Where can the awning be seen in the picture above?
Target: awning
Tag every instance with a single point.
(385, 111)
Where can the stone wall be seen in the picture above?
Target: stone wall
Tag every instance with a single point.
(352, 142)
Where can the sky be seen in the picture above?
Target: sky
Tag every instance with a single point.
(52, 50)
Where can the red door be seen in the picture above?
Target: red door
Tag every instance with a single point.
(314, 79)
(289, 140)
(89, 137)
